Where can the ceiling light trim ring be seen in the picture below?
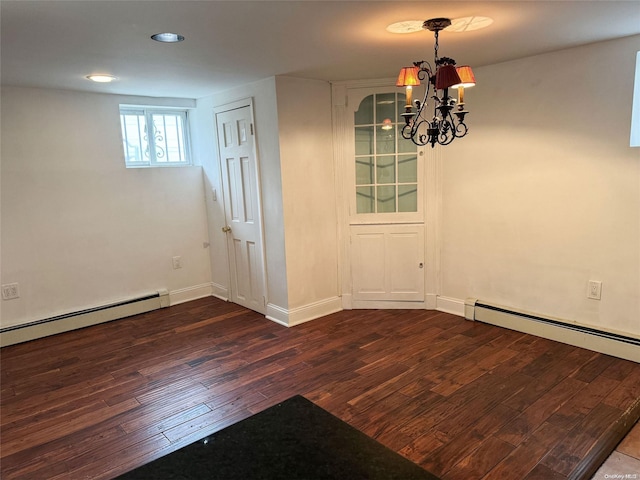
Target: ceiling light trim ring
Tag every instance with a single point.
(167, 37)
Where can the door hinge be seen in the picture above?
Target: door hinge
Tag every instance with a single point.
(251, 128)
(264, 301)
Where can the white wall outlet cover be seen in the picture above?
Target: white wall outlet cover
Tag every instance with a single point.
(10, 291)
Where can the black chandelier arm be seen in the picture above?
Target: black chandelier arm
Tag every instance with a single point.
(411, 132)
(442, 129)
(450, 129)
(461, 129)
(417, 123)
(447, 133)
(425, 72)
(407, 132)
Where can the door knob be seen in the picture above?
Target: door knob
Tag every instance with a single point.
(226, 229)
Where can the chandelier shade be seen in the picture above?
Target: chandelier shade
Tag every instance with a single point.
(467, 78)
(447, 76)
(408, 77)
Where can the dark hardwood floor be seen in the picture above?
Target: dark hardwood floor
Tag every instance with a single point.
(463, 399)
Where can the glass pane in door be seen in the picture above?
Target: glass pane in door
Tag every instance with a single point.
(386, 165)
(365, 200)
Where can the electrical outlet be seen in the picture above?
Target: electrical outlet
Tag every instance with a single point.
(10, 291)
(594, 290)
(177, 262)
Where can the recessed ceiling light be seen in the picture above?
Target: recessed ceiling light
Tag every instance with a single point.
(167, 37)
(464, 24)
(101, 78)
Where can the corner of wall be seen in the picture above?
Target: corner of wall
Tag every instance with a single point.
(305, 313)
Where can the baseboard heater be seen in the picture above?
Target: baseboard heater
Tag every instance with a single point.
(608, 342)
(83, 318)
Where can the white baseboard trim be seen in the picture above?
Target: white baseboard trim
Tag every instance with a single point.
(386, 304)
(621, 345)
(83, 318)
(454, 306)
(314, 310)
(306, 313)
(183, 295)
(347, 301)
(431, 301)
(277, 314)
(220, 291)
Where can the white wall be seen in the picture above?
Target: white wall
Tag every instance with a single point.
(78, 229)
(309, 194)
(295, 156)
(544, 193)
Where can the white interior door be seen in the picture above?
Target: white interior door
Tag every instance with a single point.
(385, 186)
(242, 208)
(388, 262)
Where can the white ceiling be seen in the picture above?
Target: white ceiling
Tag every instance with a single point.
(55, 44)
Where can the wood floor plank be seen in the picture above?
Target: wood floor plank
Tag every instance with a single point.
(476, 368)
(539, 412)
(468, 400)
(574, 446)
(22, 407)
(207, 423)
(480, 461)
(442, 459)
(90, 464)
(521, 461)
(594, 367)
(542, 472)
(28, 463)
(162, 417)
(485, 416)
(50, 428)
(420, 448)
(572, 412)
(620, 369)
(627, 392)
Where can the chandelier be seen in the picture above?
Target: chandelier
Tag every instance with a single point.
(445, 124)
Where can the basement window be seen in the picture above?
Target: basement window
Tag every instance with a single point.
(154, 137)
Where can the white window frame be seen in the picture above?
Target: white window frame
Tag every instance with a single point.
(148, 113)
